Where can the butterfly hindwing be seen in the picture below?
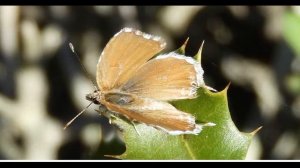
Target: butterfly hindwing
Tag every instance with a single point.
(152, 112)
(167, 77)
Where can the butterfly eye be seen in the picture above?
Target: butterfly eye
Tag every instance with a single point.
(89, 97)
(93, 97)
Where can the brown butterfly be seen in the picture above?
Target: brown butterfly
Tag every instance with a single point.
(133, 85)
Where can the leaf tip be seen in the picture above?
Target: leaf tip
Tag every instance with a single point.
(255, 131)
(227, 87)
(199, 54)
(115, 156)
(181, 50)
(224, 91)
(209, 124)
(210, 88)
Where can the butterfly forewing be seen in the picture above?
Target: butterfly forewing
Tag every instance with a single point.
(126, 52)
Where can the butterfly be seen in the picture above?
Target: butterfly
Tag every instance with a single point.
(134, 85)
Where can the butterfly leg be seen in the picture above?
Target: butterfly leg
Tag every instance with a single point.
(136, 130)
(105, 112)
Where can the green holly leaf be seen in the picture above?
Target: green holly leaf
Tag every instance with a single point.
(291, 30)
(222, 141)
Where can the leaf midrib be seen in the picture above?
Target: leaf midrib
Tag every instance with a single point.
(188, 148)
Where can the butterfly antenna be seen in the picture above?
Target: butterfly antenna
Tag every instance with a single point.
(70, 122)
(85, 71)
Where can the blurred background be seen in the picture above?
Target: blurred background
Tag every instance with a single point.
(42, 85)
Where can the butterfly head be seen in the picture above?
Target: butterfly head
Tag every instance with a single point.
(94, 97)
